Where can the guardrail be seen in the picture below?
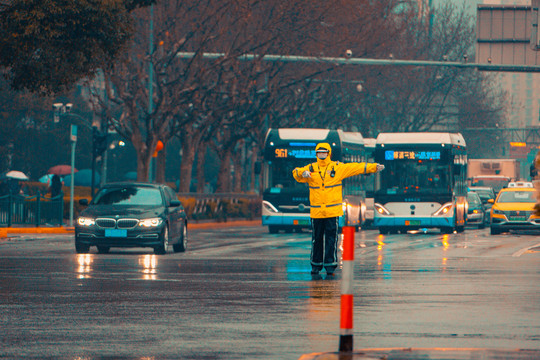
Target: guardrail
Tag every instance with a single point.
(31, 210)
(220, 206)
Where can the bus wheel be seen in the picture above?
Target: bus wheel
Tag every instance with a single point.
(273, 229)
(383, 231)
(447, 230)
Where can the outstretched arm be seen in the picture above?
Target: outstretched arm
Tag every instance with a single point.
(352, 169)
(302, 174)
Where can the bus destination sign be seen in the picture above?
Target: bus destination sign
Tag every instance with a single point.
(412, 155)
(283, 153)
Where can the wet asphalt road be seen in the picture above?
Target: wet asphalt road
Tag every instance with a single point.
(241, 293)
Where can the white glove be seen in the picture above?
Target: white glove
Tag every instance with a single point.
(306, 174)
(380, 167)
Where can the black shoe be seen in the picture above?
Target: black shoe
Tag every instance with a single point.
(330, 273)
(315, 272)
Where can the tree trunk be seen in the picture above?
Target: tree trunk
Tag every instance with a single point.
(186, 166)
(253, 175)
(160, 165)
(201, 180)
(143, 165)
(224, 176)
(238, 168)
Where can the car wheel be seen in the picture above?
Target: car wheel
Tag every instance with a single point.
(482, 223)
(494, 231)
(182, 244)
(162, 248)
(81, 248)
(103, 249)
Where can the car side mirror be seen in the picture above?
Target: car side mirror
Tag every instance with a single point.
(83, 202)
(175, 203)
(491, 201)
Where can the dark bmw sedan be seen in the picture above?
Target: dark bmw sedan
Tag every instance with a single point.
(132, 215)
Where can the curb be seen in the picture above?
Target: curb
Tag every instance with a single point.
(4, 232)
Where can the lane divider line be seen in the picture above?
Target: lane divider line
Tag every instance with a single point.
(524, 250)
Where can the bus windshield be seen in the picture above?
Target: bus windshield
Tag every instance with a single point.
(406, 176)
(281, 173)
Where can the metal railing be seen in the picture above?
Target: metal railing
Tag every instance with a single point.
(34, 210)
(216, 203)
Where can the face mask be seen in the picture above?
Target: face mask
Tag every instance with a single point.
(322, 155)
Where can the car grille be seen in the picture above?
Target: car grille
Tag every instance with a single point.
(518, 214)
(107, 223)
(127, 223)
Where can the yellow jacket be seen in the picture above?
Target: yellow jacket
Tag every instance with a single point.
(325, 183)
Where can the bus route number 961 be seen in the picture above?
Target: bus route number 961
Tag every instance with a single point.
(281, 153)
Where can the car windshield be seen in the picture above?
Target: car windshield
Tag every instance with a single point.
(485, 195)
(129, 195)
(473, 199)
(517, 197)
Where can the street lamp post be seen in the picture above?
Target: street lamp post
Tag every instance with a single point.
(99, 138)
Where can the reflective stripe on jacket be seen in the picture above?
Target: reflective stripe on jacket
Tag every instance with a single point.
(325, 190)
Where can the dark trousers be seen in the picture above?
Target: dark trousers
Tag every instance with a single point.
(324, 244)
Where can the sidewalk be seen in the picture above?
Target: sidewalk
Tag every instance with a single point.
(428, 354)
(6, 231)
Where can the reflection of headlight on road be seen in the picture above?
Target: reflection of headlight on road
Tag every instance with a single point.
(84, 259)
(84, 221)
(153, 222)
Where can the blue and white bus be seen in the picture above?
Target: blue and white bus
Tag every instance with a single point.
(285, 201)
(424, 183)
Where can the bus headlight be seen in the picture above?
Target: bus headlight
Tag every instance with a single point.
(269, 207)
(381, 209)
(444, 210)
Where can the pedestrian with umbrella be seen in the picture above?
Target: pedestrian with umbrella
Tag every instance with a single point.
(56, 186)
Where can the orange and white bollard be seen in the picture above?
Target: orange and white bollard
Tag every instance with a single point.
(346, 322)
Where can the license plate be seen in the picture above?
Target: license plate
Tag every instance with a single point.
(412, 222)
(518, 218)
(115, 233)
(301, 222)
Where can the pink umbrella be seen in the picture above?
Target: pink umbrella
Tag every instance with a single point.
(61, 170)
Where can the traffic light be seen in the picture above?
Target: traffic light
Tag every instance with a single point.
(99, 141)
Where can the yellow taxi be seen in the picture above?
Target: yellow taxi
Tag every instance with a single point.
(513, 209)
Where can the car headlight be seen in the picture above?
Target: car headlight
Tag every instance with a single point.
(153, 222)
(496, 211)
(85, 221)
(444, 210)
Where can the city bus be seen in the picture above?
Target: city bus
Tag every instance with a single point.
(285, 201)
(424, 183)
(370, 144)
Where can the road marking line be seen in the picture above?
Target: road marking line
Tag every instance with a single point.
(524, 250)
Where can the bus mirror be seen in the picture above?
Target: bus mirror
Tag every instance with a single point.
(257, 167)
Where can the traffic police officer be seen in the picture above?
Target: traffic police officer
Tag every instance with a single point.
(324, 179)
